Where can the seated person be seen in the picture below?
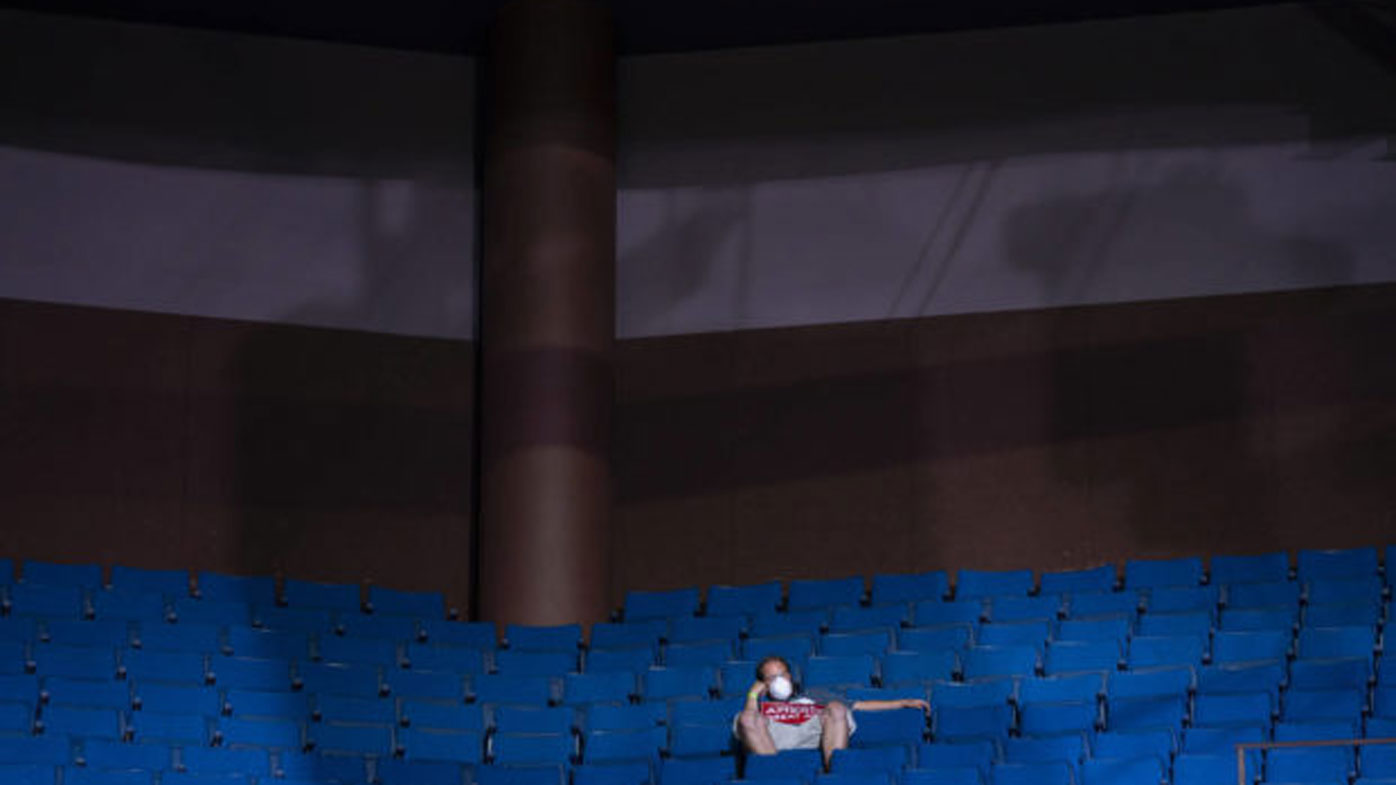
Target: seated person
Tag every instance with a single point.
(790, 722)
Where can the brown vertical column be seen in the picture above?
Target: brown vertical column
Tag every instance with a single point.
(548, 314)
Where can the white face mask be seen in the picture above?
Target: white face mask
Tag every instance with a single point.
(780, 688)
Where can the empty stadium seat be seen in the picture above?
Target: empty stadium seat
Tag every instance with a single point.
(148, 727)
(640, 605)
(1266, 677)
(929, 613)
(889, 588)
(220, 587)
(500, 688)
(174, 698)
(632, 773)
(1048, 719)
(1159, 651)
(86, 576)
(1069, 748)
(773, 624)
(971, 722)
(698, 771)
(535, 663)
(1123, 771)
(705, 628)
(1164, 625)
(1353, 673)
(934, 639)
(1204, 769)
(1032, 774)
(890, 759)
(534, 719)
(1067, 656)
(704, 653)
(747, 599)
(979, 662)
(1095, 579)
(1085, 606)
(1313, 764)
(698, 739)
(1158, 743)
(347, 709)
(1158, 573)
(603, 687)
(1254, 568)
(611, 716)
(126, 605)
(993, 583)
(395, 602)
(855, 670)
(628, 660)
(259, 704)
(853, 618)
(109, 754)
(1254, 619)
(1146, 713)
(794, 648)
(1031, 633)
(977, 755)
(531, 748)
(1341, 564)
(330, 596)
(801, 764)
(614, 635)
(418, 772)
(442, 715)
(1254, 646)
(902, 667)
(822, 593)
(1336, 643)
(1308, 705)
(874, 643)
(475, 634)
(1264, 595)
(1055, 689)
(1180, 599)
(361, 680)
(1242, 708)
(686, 682)
(217, 760)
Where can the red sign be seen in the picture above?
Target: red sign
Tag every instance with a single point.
(790, 713)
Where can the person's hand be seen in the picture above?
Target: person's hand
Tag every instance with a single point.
(916, 703)
(757, 690)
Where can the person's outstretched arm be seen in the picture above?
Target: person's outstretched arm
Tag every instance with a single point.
(900, 703)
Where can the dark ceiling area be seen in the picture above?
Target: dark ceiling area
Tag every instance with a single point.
(642, 26)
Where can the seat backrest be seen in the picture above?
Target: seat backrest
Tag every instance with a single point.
(641, 605)
(824, 593)
(1096, 580)
(1253, 568)
(993, 583)
(914, 587)
(745, 599)
(1158, 573)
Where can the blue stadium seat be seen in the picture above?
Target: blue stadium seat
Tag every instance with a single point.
(1207, 769)
(604, 687)
(1255, 568)
(535, 719)
(110, 754)
(1158, 682)
(1031, 774)
(930, 613)
(306, 769)
(977, 755)
(331, 648)
(16, 718)
(956, 776)
(415, 772)
(854, 618)
(950, 723)
(629, 635)
(186, 778)
(90, 693)
(248, 673)
(625, 716)
(747, 599)
(948, 636)
(189, 638)
(1056, 689)
(1312, 764)
(249, 589)
(632, 773)
(81, 776)
(1029, 633)
(499, 688)
(1242, 708)
(1336, 564)
(1257, 619)
(627, 660)
(894, 727)
(1379, 760)
(874, 643)
(22, 687)
(555, 637)
(208, 612)
(442, 715)
(1068, 748)
(705, 653)
(1264, 595)
(330, 596)
(51, 749)
(1317, 730)
(18, 629)
(1085, 606)
(855, 670)
(824, 593)
(416, 604)
(1092, 580)
(773, 624)
(1022, 609)
(1123, 771)
(361, 680)
(217, 760)
(1267, 677)
(1384, 702)
(1160, 573)
(640, 605)
(444, 658)
(1048, 719)
(531, 748)
(168, 667)
(254, 704)
(535, 663)
(1350, 614)
(1129, 714)
(80, 662)
(345, 709)
(904, 667)
(267, 644)
(1380, 728)
(1336, 643)
(993, 583)
(715, 712)
(697, 771)
(693, 740)
(14, 657)
(794, 648)
(475, 634)
(1113, 628)
(147, 727)
(306, 620)
(1310, 705)
(1159, 743)
(127, 605)
(890, 759)
(856, 778)
(1163, 625)
(1182, 599)
(1158, 651)
(1083, 655)
(887, 587)
(981, 662)
(86, 576)
(329, 739)
(736, 677)
(176, 698)
(1222, 739)
(995, 692)
(1331, 591)
(1254, 646)
(686, 682)
(705, 628)
(790, 763)
(50, 602)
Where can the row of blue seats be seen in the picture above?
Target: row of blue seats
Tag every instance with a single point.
(1311, 565)
(219, 587)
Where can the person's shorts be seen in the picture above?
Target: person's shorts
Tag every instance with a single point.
(805, 736)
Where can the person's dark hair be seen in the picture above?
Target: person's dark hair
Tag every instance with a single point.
(760, 666)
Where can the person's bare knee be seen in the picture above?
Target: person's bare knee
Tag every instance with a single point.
(755, 735)
(834, 734)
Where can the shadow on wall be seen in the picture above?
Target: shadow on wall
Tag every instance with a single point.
(1121, 244)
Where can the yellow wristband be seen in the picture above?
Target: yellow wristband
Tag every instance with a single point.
(754, 694)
